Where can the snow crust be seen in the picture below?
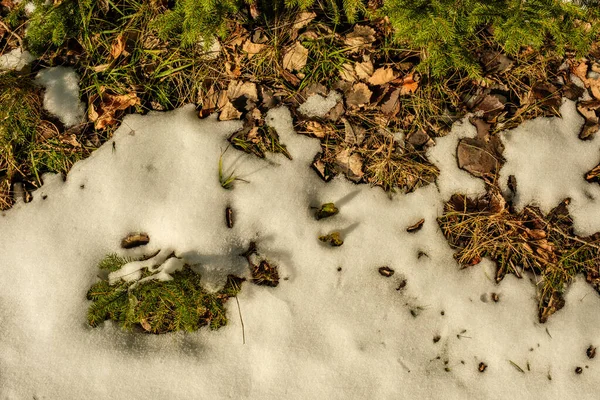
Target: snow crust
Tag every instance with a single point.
(333, 329)
(15, 59)
(62, 94)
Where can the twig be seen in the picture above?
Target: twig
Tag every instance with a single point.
(19, 39)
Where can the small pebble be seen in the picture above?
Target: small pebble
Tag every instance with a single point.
(578, 370)
(591, 352)
(482, 367)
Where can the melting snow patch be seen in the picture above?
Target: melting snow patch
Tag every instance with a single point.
(62, 94)
(15, 59)
(318, 106)
(549, 162)
(334, 328)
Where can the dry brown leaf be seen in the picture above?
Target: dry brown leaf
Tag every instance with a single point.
(409, 85)
(360, 37)
(303, 19)
(295, 57)
(103, 109)
(347, 73)
(364, 70)
(117, 47)
(252, 48)
(237, 89)
(101, 67)
(580, 70)
(229, 112)
(358, 95)
(391, 106)
(354, 134)
(350, 164)
(382, 75)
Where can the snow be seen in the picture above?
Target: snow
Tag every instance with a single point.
(61, 97)
(452, 179)
(549, 162)
(324, 332)
(15, 59)
(318, 106)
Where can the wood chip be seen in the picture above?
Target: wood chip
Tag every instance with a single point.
(382, 75)
(295, 57)
(135, 240)
(386, 271)
(416, 226)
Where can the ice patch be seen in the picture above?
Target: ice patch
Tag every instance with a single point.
(318, 106)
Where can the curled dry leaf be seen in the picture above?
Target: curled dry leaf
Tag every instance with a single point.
(295, 57)
(360, 37)
(104, 107)
(117, 47)
(358, 95)
(382, 75)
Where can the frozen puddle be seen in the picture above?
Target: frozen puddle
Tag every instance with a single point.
(335, 329)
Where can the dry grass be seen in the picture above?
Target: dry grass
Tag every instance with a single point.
(527, 241)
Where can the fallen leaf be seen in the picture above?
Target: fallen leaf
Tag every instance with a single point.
(104, 107)
(474, 158)
(409, 85)
(237, 89)
(303, 19)
(381, 76)
(347, 73)
(495, 62)
(229, 112)
(358, 95)
(350, 164)
(295, 57)
(318, 130)
(353, 134)
(391, 105)
(117, 47)
(360, 37)
(252, 48)
(364, 70)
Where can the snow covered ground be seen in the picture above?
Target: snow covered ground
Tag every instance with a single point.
(334, 328)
